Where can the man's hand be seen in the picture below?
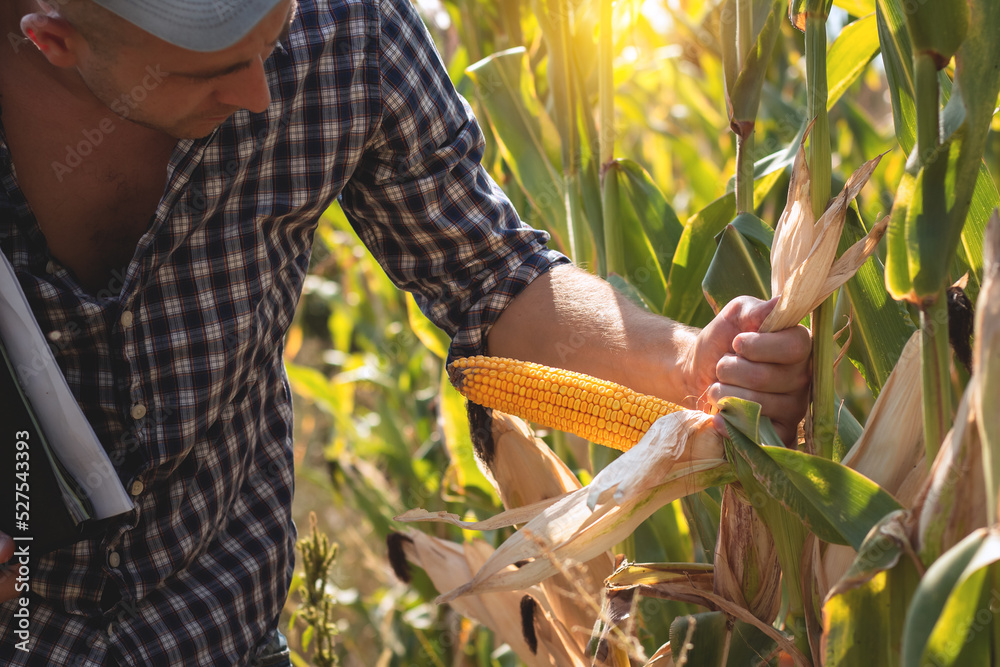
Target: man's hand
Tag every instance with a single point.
(7, 577)
(731, 359)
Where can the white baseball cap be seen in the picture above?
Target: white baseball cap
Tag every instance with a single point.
(196, 25)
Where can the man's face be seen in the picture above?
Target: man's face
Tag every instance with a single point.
(185, 94)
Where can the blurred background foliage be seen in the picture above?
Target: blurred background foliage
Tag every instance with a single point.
(380, 431)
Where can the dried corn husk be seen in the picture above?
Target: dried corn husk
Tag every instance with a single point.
(804, 271)
(954, 500)
(746, 561)
(525, 471)
(986, 352)
(624, 496)
(551, 635)
(664, 657)
(523, 468)
(448, 565)
(890, 452)
(892, 445)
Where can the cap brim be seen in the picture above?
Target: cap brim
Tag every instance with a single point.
(196, 25)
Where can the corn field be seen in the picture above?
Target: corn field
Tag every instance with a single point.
(836, 155)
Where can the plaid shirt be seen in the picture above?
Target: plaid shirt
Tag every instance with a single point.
(178, 364)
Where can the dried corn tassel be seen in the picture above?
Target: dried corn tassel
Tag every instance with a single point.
(600, 411)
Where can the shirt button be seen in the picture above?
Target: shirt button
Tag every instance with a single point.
(137, 487)
(114, 559)
(50, 268)
(138, 411)
(127, 318)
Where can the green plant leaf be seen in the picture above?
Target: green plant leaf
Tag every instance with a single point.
(977, 84)
(528, 139)
(685, 300)
(649, 227)
(880, 326)
(970, 193)
(862, 625)
(463, 469)
(436, 340)
(897, 56)
(960, 638)
(936, 587)
(856, 7)
(741, 264)
(706, 632)
(836, 503)
(743, 91)
(848, 57)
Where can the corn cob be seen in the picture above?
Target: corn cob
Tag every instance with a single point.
(600, 411)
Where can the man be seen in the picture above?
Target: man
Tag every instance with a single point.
(163, 164)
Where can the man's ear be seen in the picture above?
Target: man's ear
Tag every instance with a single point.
(55, 37)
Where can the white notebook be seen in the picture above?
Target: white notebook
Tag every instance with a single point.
(70, 436)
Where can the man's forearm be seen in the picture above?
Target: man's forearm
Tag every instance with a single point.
(571, 319)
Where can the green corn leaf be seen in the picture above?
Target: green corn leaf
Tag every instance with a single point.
(970, 192)
(862, 625)
(649, 229)
(743, 90)
(790, 534)
(856, 7)
(939, 583)
(703, 513)
(528, 139)
(938, 28)
(463, 470)
(897, 55)
(880, 326)
(741, 264)
(960, 637)
(836, 503)
(434, 339)
(850, 54)
(846, 60)
(685, 301)
(977, 84)
(884, 547)
(706, 634)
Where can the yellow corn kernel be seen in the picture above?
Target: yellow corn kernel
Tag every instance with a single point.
(603, 412)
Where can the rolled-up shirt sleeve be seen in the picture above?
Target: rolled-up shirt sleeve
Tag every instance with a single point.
(422, 202)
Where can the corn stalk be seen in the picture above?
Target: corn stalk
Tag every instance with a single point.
(611, 195)
(820, 167)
